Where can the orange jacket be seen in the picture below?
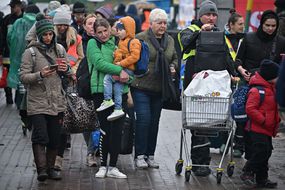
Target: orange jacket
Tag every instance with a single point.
(128, 58)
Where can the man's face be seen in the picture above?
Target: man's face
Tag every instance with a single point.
(16, 8)
(209, 18)
(79, 17)
(47, 37)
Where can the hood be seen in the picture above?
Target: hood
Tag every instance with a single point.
(260, 33)
(132, 10)
(29, 17)
(257, 80)
(130, 26)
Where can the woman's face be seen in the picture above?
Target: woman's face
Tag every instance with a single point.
(47, 37)
(61, 28)
(159, 27)
(103, 33)
(88, 26)
(237, 27)
(269, 26)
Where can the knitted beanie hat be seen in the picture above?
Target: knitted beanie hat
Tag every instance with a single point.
(43, 25)
(105, 12)
(207, 7)
(78, 7)
(269, 69)
(32, 9)
(53, 5)
(62, 17)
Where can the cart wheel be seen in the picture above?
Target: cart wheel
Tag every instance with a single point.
(24, 129)
(219, 177)
(187, 175)
(230, 170)
(178, 167)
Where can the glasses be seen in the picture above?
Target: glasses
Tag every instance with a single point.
(48, 34)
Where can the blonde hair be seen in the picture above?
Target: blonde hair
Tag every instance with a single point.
(87, 17)
(157, 14)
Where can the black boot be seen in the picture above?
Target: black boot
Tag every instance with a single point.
(9, 95)
(266, 184)
(40, 160)
(52, 173)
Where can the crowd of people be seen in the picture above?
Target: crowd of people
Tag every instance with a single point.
(44, 50)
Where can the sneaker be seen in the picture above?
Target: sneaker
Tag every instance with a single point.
(237, 153)
(248, 178)
(115, 173)
(90, 161)
(101, 172)
(202, 171)
(151, 162)
(58, 163)
(222, 149)
(116, 115)
(267, 184)
(140, 162)
(105, 105)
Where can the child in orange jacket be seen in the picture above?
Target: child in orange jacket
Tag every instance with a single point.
(126, 55)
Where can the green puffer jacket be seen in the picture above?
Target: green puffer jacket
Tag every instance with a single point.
(17, 44)
(101, 60)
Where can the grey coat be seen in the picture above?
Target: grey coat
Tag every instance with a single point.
(44, 95)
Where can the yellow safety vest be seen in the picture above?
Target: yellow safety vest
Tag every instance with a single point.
(193, 28)
(231, 49)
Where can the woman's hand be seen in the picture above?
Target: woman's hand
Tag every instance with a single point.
(124, 76)
(46, 71)
(62, 66)
(244, 73)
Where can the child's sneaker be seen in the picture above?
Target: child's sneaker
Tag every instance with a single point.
(115, 173)
(116, 115)
(105, 105)
(102, 172)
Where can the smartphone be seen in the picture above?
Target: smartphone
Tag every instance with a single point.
(53, 67)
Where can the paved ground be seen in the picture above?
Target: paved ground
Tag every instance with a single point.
(17, 171)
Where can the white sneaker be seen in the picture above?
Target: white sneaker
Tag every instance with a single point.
(105, 105)
(151, 163)
(90, 160)
(140, 162)
(116, 115)
(115, 173)
(102, 172)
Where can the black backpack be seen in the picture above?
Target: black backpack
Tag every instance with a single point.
(84, 79)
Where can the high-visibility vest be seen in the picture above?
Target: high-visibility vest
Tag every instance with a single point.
(146, 23)
(72, 51)
(193, 28)
(231, 49)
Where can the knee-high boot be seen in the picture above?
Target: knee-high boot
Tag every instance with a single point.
(52, 173)
(40, 160)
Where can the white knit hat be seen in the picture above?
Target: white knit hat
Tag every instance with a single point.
(62, 17)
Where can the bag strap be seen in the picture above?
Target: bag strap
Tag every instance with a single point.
(129, 43)
(261, 92)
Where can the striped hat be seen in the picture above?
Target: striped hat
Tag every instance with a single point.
(43, 25)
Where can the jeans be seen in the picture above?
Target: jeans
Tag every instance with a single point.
(110, 84)
(148, 109)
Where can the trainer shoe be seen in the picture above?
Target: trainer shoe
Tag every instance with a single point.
(115, 173)
(90, 160)
(105, 105)
(116, 115)
(140, 162)
(151, 162)
(237, 153)
(101, 172)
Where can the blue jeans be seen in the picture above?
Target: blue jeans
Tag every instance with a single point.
(110, 84)
(148, 109)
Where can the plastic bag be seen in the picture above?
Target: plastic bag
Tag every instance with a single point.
(96, 139)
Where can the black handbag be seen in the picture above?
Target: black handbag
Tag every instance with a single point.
(127, 140)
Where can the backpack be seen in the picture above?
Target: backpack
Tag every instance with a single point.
(141, 67)
(84, 79)
(240, 98)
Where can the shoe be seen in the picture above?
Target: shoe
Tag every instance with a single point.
(115, 173)
(151, 163)
(42, 175)
(267, 184)
(101, 172)
(53, 174)
(58, 163)
(90, 161)
(9, 100)
(140, 162)
(237, 153)
(202, 171)
(116, 115)
(105, 105)
(222, 149)
(248, 178)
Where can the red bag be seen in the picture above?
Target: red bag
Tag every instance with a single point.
(3, 76)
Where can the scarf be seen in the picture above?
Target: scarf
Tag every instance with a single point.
(162, 66)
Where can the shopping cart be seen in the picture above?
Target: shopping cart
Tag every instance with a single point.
(206, 116)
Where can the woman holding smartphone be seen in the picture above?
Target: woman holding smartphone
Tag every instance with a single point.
(45, 99)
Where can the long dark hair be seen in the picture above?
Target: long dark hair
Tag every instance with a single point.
(233, 18)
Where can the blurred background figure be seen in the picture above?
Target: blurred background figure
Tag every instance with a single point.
(133, 12)
(120, 11)
(104, 12)
(78, 16)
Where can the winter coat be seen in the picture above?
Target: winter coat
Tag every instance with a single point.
(128, 57)
(17, 45)
(73, 40)
(100, 60)
(253, 50)
(280, 87)
(44, 95)
(152, 82)
(264, 118)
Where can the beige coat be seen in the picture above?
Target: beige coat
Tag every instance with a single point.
(44, 95)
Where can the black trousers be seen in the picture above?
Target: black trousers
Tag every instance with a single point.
(111, 132)
(46, 129)
(261, 150)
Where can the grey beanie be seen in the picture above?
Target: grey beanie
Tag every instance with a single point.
(207, 7)
(62, 17)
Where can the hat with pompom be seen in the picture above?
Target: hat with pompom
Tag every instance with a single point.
(43, 25)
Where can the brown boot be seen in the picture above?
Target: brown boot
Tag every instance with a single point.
(40, 160)
(52, 173)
